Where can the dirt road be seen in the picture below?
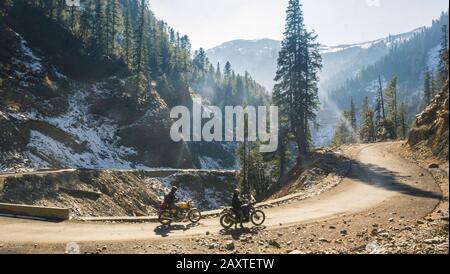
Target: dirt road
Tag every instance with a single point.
(376, 179)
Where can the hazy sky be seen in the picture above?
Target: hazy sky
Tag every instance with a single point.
(212, 22)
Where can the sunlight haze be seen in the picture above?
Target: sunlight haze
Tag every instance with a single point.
(212, 22)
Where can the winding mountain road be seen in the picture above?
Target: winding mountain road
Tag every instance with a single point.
(377, 178)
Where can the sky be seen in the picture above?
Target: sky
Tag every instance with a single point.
(212, 22)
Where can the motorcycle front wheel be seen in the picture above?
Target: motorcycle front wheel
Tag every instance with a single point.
(194, 216)
(258, 217)
(226, 221)
(165, 218)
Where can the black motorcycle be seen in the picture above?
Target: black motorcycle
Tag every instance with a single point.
(251, 214)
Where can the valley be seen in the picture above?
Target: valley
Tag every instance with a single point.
(112, 126)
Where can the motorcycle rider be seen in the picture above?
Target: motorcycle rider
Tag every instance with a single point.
(170, 199)
(237, 206)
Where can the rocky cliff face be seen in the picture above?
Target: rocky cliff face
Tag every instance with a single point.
(431, 127)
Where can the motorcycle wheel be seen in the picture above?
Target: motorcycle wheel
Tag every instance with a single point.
(258, 217)
(165, 218)
(194, 216)
(226, 221)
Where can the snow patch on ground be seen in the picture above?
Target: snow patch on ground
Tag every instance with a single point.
(98, 135)
(31, 61)
(209, 163)
(390, 41)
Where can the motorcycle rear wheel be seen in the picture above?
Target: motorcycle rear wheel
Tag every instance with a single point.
(227, 221)
(258, 217)
(165, 218)
(194, 216)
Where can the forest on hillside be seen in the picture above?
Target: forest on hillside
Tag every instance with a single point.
(142, 65)
(395, 103)
(128, 32)
(407, 61)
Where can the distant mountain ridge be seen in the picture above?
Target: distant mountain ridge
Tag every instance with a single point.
(349, 70)
(259, 56)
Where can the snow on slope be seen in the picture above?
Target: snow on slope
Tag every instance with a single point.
(97, 134)
(388, 41)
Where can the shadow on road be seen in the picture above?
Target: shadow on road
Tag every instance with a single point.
(12, 216)
(165, 230)
(383, 178)
(238, 232)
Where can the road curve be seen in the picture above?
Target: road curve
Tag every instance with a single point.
(377, 177)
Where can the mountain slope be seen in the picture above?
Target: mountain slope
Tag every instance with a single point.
(57, 118)
(63, 103)
(259, 57)
(348, 70)
(407, 60)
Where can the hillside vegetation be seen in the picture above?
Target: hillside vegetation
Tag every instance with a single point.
(92, 86)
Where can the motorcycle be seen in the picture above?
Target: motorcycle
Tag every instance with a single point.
(183, 211)
(251, 214)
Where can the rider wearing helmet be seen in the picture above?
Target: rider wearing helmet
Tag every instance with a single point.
(237, 206)
(170, 199)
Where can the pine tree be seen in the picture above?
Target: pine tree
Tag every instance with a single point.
(283, 149)
(114, 24)
(86, 22)
(380, 114)
(186, 52)
(391, 105)
(253, 179)
(297, 75)
(227, 71)
(353, 122)
(128, 35)
(60, 11)
(140, 51)
(403, 120)
(199, 61)
(427, 93)
(218, 72)
(433, 88)
(366, 131)
(99, 27)
(364, 107)
(74, 18)
(443, 70)
(154, 56)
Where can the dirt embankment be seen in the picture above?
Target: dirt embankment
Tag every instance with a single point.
(431, 127)
(323, 170)
(116, 193)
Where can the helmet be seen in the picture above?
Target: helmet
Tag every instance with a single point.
(237, 191)
(174, 189)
